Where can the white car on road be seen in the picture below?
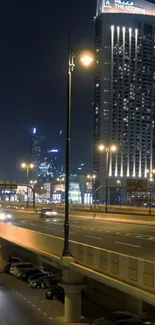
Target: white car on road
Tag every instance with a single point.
(5, 216)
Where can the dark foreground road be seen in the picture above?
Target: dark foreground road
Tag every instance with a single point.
(17, 308)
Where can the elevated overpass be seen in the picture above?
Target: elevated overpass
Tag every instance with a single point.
(133, 276)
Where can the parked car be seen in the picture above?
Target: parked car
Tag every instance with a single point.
(121, 315)
(8, 265)
(38, 276)
(128, 321)
(21, 271)
(119, 318)
(102, 321)
(47, 212)
(28, 273)
(16, 267)
(54, 292)
(50, 281)
(37, 283)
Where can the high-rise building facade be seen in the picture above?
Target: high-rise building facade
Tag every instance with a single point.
(37, 147)
(124, 103)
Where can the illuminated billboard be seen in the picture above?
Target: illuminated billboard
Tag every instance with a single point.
(139, 7)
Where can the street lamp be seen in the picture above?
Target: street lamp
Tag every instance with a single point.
(107, 149)
(60, 180)
(92, 180)
(86, 60)
(27, 167)
(151, 180)
(119, 183)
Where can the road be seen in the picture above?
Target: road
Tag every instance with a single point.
(129, 239)
(21, 305)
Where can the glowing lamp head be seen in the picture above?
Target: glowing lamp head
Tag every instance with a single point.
(31, 166)
(113, 148)
(23, 165)
(101, 147)
(86, 59)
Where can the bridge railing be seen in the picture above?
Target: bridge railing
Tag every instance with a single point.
(123, 272)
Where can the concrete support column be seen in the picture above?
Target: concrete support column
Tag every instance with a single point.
(72, 283)
(134, 305)
(72, 302)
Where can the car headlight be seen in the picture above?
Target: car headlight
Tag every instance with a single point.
(47, 213)
(54, 213)
(9, 216)
(2, 216)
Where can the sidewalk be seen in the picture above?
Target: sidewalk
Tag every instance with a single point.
(128, 219)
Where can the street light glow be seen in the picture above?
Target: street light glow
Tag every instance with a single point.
(23, 165)
(101, 147)
(31, 166)
(86, 60)
(113, 148)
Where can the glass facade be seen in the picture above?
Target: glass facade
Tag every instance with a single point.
(125, 93)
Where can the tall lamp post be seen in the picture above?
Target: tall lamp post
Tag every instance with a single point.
(86, 59)
(107, 149)
(92, 179)
(151, 173)
(119, 183)
(27, 167)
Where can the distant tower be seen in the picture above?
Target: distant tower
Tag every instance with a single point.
(37, 148)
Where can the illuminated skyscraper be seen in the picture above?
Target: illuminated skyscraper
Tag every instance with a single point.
(124, 103)
(37, 147)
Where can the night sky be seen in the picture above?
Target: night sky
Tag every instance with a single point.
(33, 71)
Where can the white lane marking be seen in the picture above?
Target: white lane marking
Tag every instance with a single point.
(72, 233)
(45, 314)
(50, 318)
(50, 228)
(34, 305)
(33, 224)
(39, 309)
(126, 244)
(93, 237)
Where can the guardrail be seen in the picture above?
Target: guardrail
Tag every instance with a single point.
(126, 273)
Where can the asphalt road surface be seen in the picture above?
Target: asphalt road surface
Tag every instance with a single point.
(21, 305)
(130, 239)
